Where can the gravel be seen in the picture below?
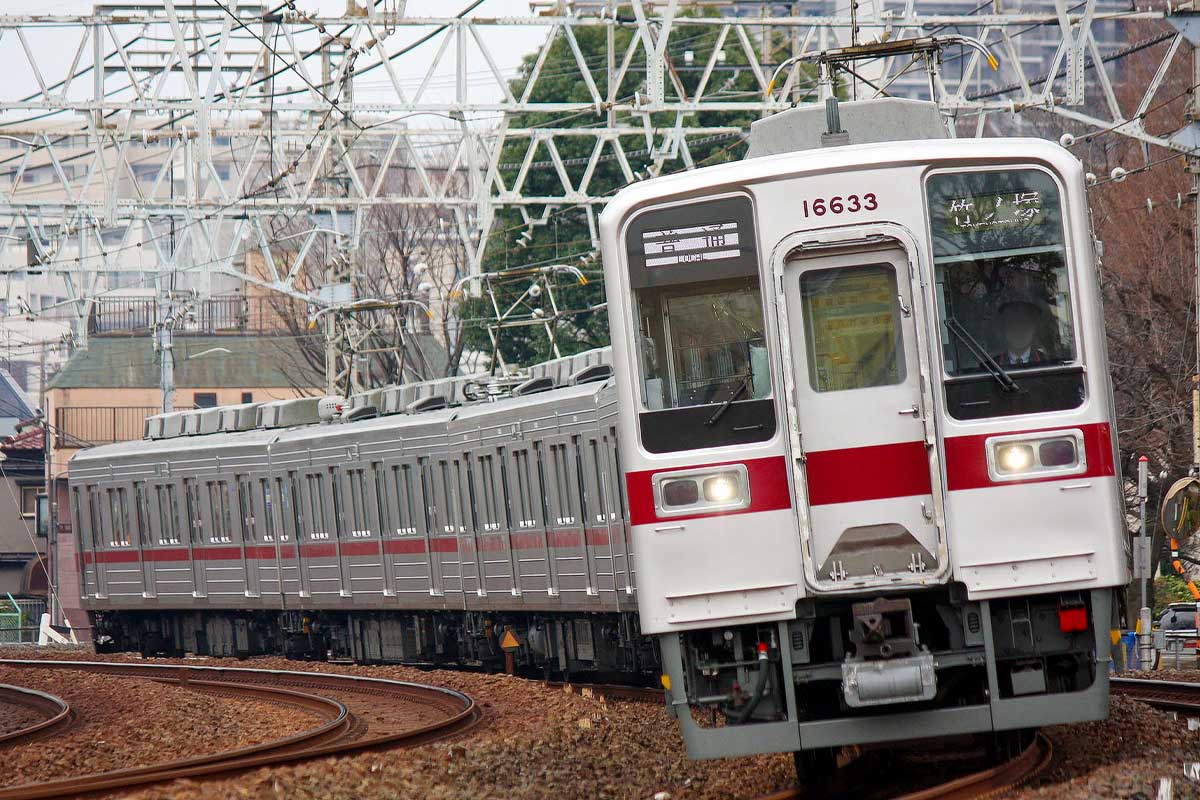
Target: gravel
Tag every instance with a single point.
(539, 741)
(123, 722)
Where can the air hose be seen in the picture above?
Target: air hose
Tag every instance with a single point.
(760, 685)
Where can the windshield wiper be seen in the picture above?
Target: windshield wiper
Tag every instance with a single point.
(989, 363)
(720, 412)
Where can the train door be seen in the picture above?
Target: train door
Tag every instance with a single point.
(291, 528)
(433, 524)
(865, 423)
(266, 556)
(95, 538)
(195, 529)
(250, 528)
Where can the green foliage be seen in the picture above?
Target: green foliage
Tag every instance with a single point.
(1169, 589)
(565, 237)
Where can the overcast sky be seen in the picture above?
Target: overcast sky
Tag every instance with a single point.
(507, 46)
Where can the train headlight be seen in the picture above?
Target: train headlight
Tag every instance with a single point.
(721, 488)
(699, 491)
(1014, 457)
(1036, 455)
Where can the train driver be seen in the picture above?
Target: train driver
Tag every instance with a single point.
(1021, 319)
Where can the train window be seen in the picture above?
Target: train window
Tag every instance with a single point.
(96, 526)
(168, 514)
(705, 371)
(218, 499)
(246, 509)
(1003, 292)
(527, 517)
(359, 505)
(142, 512)
(488, 507)
(118, 513)
(562, 496)
(504, 490)
(339, 507)
(77, 517)
(292, 500)
(853, 327)
(467, 494)
(316, 507)
(268, 513)
(407, 500)
(192, 497)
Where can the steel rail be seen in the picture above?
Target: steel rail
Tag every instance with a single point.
(986, 783)
(1167, 695)
(342, 732)
(55, 712)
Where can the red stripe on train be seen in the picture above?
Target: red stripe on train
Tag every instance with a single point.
(768, 489)
(877, 472)
(966, 457)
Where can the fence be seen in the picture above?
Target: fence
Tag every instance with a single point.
(20, 618)
(231, 314)
(84, 426)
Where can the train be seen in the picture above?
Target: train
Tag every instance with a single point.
(847, 474)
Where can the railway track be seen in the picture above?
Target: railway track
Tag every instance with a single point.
(50, 713)
(1166, 695)
(986, 783)
(352, 714)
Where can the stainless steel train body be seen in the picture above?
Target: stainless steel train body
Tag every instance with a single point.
(868, 503)
(420, 536)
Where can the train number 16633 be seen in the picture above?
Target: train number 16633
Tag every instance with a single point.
(840, 205)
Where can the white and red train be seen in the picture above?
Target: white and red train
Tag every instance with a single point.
(857, 433)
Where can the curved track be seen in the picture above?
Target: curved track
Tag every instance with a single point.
(55, 713)
(353, 713)
(986, 783)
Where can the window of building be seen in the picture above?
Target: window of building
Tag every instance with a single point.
(29, 496)
(247, 397)
(204, 399)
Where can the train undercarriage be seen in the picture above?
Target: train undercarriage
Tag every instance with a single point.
(548, 644)
(854, 670)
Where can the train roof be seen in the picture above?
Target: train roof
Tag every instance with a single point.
(764, 169)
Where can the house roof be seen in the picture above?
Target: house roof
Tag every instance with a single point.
(203, 362)
(200, 362)
(14, 406)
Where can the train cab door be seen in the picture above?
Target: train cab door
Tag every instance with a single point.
(864, 419)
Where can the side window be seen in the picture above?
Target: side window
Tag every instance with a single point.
(118, 509)
(407, 500)
(246, 509)
(852, 327)
(95, 518)
(337, 504)
(385, 500)
(195, 524)
(77, 517)
(488, 503)
(168, 514)
(316, 507)
(294, 500)
(360, 504)
(268, 512)
(142, 513)
(523, 486)
(218, 495)
(466, 493)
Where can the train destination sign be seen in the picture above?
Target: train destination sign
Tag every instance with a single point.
(963, 214)
(713, 242)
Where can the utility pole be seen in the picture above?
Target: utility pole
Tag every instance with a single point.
(1145, 635)
(164, 344)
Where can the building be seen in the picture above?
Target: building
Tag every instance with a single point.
(23, 543)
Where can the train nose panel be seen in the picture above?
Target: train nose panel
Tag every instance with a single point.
(869, 473)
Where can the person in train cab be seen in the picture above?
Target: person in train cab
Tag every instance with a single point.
(1021, 317)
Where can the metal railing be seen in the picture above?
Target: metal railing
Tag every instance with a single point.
(85, 426)
(227, 314)
(19, 619)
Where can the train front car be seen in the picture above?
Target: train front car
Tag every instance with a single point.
(866, 433)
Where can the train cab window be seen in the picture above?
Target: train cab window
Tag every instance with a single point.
(1003, 293)
(853, 322)
(700, 334)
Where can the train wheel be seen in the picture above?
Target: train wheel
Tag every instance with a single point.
(815, 766)
(1007, 745)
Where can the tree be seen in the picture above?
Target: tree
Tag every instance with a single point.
(563, 235)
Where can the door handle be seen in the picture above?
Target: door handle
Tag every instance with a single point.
(915, 411)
